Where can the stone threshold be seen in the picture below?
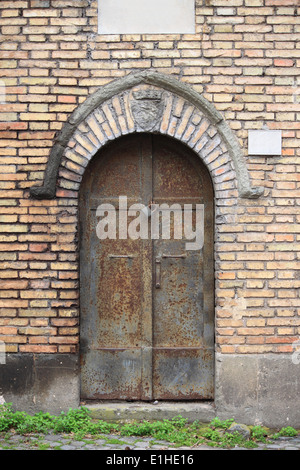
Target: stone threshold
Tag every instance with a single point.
(126, 411)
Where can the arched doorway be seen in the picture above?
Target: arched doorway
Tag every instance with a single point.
(147, 305)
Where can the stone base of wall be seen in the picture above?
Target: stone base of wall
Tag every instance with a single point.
(253, 389)
(258, 389)
(40, 382)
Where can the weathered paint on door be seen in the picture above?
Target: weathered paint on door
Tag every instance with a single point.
(147, 306)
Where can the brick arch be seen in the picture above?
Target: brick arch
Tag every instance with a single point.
(148, 102)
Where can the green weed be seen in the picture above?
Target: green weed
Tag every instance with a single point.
(223, 424)
(286, 432)
(177, 431)
(258, 433)
(235, 439)
(43, 446)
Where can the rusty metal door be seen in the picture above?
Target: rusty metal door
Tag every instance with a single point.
(147, 305)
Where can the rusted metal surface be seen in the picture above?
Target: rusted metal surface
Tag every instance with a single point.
(183, 374)
(147, 327)
(116, 321)
(113, 374)
(182, 356)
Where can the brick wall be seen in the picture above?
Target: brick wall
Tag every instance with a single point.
(245, 59)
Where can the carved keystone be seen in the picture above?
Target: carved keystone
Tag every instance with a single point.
(147, 108)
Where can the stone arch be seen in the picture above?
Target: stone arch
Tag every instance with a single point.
(146, 102)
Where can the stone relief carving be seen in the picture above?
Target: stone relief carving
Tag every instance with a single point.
(147, 107)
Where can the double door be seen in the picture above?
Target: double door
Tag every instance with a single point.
(147, 302)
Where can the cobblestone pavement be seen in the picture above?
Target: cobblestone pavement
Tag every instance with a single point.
(10, 441)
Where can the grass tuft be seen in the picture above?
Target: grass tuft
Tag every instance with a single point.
(177, 431)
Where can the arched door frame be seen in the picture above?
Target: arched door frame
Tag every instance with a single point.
(173, 108)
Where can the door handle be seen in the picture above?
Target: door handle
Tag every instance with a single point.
(157, 272)
(158, 267)
(121, 256)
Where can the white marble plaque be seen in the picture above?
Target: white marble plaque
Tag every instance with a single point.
(146, 16)
(266, 142)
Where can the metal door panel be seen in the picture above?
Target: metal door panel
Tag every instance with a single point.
(112, 374)
(178, 303)
(116, 293)
(183, 374)
(116, 296)
(175, 174)
(147, 325)
(182, 354)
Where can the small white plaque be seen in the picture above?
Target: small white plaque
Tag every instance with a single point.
(267, 142)
(146, 16)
